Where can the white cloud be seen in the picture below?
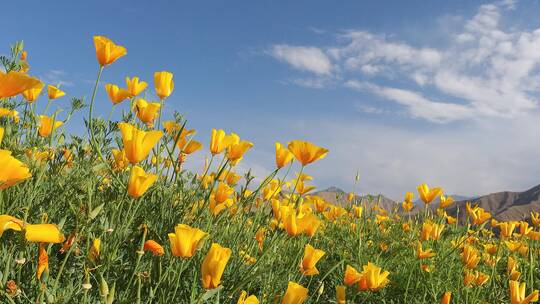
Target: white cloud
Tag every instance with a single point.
(485, 70)
(369, 109)
(365, 48)
(58, 77)
(309, 59)
(509, 4)
(314, 83)
(370, 69)
(417, 104)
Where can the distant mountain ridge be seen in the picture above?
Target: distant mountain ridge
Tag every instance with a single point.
(503, 206)
(337, 196)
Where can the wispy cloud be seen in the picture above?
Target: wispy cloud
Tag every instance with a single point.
(369, 109)
(310, 59)
(313, 82)
(418, 105)
(58, 77)
(484, 70)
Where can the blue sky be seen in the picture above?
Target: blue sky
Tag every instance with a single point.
(405, 92)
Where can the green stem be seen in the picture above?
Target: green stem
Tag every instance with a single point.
(47, 107)
(91, 116)
(111, 113)
(55, 285)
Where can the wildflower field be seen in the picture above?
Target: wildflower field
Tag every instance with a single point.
(113, 217)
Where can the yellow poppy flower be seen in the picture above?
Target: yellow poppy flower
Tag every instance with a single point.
(147, 112)
(134, 86)
(470, 257)
(236, 151)
(447, 296)
(490, 248)
(154, 247)
(296, 224)
(449, 219)
(295, 294)
(271, 190)
(409, 196)
(407, 205)
(477, 214)
(213, 265)
(164, 84)
(33, 93)
(232, 178)
(352, 276)
(171, 127)
(138, 143)
(507, 228)
(47, 125)
(431, 231)
(14, 83)
(423, 254)
(513, 245)
(373, 278)
(512, 269)
(185, 240)
(341, 294)
(310, 259)
(54, 92)
(357, 211)
(283, 155)
(535, 218)
(524, 229)
(181, 138)
(244, 299)
(221, 198)
(116, 94)
(191, 147)
(302, 188)
(219, 141)
(43, 233)
(306, 152)
(8, 222)
(107, 51)
(517, 293)
(13, 171)
(260, 236)
(428, 195)
(139, 182)
(445, 201)
(95, 250)
(481, 278)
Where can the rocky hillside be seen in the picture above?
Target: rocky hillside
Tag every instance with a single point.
(504, 206)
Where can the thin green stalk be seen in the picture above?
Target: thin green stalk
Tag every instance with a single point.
(93, 142)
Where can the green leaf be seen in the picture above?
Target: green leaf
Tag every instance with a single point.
(210, 293)
(96, 211)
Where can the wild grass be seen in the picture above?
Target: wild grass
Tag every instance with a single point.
(78, 184)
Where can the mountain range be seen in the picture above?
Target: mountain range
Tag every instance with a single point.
(503, 206)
